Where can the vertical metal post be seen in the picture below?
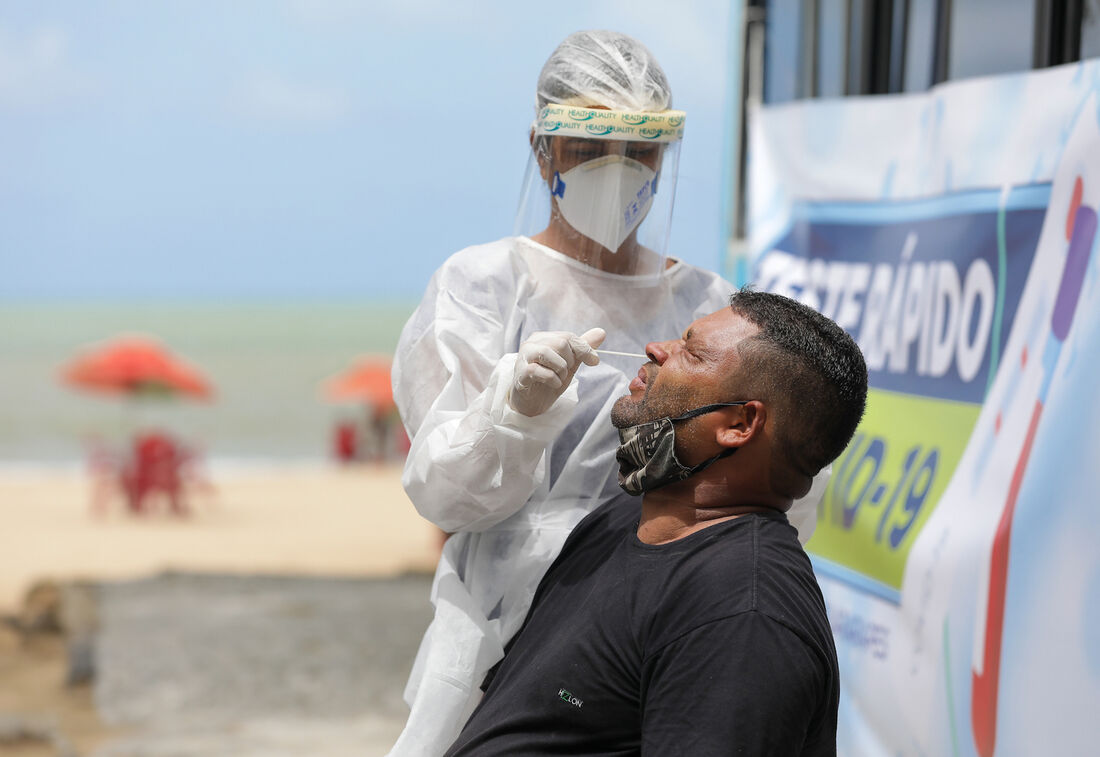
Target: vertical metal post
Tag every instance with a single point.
(1042, 54)
(1057, 37)
(941, 58)
(898, 41)
(752, 40)
(808, 49)
(847, 44)
(1071, 39)
(878, 46)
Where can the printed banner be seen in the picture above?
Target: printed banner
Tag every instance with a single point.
(953, 233)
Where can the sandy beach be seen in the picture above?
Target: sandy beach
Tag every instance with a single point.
(294, 520)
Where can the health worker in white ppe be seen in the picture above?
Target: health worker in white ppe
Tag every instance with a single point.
(496, 375)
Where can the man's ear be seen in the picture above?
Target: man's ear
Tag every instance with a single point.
(741, 424)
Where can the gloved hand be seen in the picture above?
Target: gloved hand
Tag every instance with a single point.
(546, 364)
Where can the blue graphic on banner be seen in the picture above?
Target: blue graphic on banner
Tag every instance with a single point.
(926, 288)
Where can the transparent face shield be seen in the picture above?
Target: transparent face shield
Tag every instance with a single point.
(600, 185)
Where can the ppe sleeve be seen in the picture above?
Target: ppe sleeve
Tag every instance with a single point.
(803, 513)
(744, 685)
(452, 371)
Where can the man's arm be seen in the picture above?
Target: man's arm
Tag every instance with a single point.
(742, 685)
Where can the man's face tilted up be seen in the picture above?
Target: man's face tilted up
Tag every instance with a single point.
(767, 378)
(671, 424)
(684, 374)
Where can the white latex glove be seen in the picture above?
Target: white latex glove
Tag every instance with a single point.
(546, 364)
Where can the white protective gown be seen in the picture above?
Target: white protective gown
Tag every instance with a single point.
(512, 487)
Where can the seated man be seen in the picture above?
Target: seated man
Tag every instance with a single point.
(694, 625)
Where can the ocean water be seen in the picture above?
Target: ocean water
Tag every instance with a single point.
(266, 361)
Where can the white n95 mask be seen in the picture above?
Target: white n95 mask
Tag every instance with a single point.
(605, 198)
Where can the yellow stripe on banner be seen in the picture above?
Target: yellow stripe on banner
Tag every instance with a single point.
(889, 480)
(621, 125)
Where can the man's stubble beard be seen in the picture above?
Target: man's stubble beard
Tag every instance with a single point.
(667, 402)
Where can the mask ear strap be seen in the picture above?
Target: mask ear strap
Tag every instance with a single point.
(724, 453)
(707, 409)
(703, 411)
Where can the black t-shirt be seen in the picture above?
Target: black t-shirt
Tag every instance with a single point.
(715, 644)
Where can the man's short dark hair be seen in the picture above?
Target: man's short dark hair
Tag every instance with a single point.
(809, 372)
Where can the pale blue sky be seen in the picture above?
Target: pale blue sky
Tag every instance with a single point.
(301, 149)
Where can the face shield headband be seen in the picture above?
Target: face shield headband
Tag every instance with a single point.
(616, 125)
(647, 452)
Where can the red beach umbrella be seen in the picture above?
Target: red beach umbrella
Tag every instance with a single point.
(135, 366)
(368, 379)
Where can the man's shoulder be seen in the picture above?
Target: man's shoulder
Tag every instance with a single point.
(608, 522)
(749, 564)
(767, 560)
(785, 588)
(749, 542)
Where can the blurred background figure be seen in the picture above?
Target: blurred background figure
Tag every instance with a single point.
(153, 464)
(374, 433)
(158, 465)
(345, 441)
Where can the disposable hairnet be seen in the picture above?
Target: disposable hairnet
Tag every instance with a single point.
(603, 69)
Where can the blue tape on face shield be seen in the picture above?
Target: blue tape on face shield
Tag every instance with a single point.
(557, 189)
(647, 452)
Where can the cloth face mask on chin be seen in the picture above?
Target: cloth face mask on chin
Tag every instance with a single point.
(647, 455)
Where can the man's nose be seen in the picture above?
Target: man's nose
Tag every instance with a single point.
(656, 352)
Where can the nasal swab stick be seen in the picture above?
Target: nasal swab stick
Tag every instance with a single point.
(624, 354)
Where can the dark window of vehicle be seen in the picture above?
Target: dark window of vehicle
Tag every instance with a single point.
(898, 20)
(857, 24)
(991, 37)
(1090, 29)
(920, 44)
(832, 47)
(782, 59)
